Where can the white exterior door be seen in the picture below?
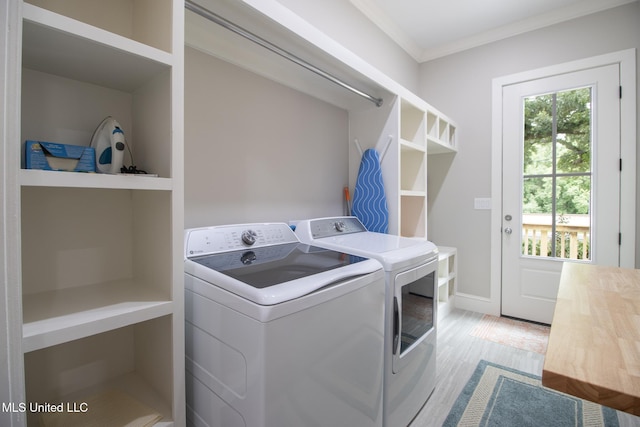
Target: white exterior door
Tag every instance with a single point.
(561, 152)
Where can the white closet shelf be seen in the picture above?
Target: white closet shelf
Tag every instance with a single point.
(408, 145)
(55, 317)
(133, 385)
(42, 178)
(412, 193)
(65, 47)
(436, 146)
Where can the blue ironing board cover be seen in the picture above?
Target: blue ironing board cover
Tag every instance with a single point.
(369, 200)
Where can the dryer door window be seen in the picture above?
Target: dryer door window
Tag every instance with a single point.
(415, 306)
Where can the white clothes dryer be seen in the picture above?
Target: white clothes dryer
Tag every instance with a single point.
(280, 333)
(411, 304)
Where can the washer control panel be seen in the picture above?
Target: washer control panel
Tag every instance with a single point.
(226, 238)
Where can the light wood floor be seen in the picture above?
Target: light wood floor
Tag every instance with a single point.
(458, 356)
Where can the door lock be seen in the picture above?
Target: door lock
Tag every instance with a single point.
(508, 230)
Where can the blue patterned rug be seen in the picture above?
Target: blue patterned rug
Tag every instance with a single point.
(497, 396)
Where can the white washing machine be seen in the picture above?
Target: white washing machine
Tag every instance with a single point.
(280, 333)
(411, 307)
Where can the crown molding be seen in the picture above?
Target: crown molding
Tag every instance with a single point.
(389, 27)
(402, 38)
(534, 23)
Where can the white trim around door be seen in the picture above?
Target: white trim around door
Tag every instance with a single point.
(627, 61)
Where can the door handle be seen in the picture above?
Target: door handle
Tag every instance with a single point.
(508, 230)
(396, 326)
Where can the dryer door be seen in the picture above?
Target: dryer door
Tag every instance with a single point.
(415, 312)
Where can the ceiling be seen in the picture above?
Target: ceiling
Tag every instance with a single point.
(428, 29)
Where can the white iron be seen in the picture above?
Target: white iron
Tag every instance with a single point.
(109, 143)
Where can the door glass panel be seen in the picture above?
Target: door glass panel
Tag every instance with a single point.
(538, 135)
(537, 220)
(417, 310)
(573, 223)
(556, 175)
(573, 135)
(537, 197)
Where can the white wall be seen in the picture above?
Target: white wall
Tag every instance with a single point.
(343, 22)
(460, 85)
(257, 151)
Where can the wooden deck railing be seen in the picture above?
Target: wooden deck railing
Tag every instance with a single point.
(572, 242)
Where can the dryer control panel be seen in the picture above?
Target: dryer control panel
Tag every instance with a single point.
(325, 227)
(226, 238)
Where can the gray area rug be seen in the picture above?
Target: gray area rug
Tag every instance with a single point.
(497, 396)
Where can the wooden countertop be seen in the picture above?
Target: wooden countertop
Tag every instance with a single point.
(594, 344)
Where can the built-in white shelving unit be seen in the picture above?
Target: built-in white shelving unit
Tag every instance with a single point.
(413, 171)
(441, 134)
(405, 142)
(99, 268)
(447, 277)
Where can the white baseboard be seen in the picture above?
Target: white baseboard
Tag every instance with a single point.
(478, 304)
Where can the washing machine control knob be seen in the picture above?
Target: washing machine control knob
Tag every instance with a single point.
(249, 237)
(340, 226)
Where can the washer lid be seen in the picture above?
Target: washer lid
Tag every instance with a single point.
(269, 266)
(265, 262)
(274, 274)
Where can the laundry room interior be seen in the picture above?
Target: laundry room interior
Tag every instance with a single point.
(223, 134)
